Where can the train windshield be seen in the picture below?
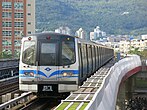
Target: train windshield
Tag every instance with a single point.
(57, 52)
(48, 54)
(68, 52)
(28, 55)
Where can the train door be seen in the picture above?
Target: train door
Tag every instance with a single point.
(48, 60)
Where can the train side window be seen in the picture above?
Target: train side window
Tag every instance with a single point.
(93, 59)
(89, 59)
(80, 61)
(83, 58)
(99, 49)
(96, 57)
(102, 55)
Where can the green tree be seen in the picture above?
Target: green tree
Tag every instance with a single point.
(5, 55)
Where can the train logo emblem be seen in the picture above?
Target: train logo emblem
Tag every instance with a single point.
(47, 69)
(47, 88)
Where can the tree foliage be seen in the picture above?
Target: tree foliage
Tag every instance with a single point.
(113, 16)
(5, 55)
(142, 54)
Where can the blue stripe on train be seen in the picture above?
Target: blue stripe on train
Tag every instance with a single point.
(59, 72)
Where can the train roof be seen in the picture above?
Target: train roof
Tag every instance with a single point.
(44, 35)
(91, 43)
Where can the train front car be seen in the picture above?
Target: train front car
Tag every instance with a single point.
(48, 64)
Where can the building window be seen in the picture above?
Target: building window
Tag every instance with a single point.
(6, 14)
(7, 24)
(29, 4)
(6, 33)
(18, 5)
(6, 42)
(16, 33)
(29, 23)
(17, 43)
(29, 13)
(18, 24)
(18, 15)
(6, 5)
(29, 32)
(7, 51)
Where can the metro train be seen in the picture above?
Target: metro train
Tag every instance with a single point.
(53, 63)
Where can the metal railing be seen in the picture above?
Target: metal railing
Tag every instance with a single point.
(15, 101)
(8, 63)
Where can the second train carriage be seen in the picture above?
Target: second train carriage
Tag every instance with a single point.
(56, 63)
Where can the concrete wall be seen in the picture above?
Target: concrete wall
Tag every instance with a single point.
(105, 97)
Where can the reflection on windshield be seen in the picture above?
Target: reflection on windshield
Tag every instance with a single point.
(28, 56)
(48, 54)
(68, 54)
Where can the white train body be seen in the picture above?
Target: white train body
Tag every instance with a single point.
(54, 63)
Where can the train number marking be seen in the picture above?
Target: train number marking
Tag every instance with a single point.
(47, 88)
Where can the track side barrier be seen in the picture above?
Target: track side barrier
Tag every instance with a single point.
(13, 102)
(106, 95)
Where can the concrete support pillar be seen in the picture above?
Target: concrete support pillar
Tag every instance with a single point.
(121, 98)
(129, 88)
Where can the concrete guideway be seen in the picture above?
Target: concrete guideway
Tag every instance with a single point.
(82, 97)
(99, 92)
(105, 98)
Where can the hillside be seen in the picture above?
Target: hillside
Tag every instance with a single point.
(113, 16)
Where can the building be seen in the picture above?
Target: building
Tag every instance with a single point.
(97, 34)
(81, 33)
(144, 36)
(91, 36)
(63, 30)
(17, 19)
(126, 46)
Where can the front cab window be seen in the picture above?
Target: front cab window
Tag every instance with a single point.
(68, 51)
(28, 55)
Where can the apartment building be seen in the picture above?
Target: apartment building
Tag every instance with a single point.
(17, 19)
(81, 33)
(126, 46)
(63, 30)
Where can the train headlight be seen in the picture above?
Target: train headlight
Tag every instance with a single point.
(32, 74)
(67, 74)
(29, 74)
(26, 73)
